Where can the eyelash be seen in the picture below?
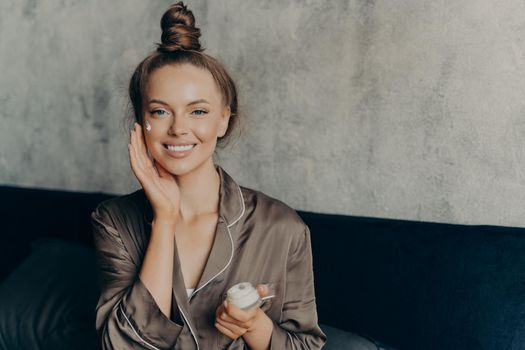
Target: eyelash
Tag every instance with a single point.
(204, 112)
(154, 113)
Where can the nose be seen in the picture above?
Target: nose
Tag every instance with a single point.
(178, 126)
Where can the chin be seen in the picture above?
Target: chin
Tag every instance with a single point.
(181, 167)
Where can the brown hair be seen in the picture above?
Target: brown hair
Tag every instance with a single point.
(180, 44)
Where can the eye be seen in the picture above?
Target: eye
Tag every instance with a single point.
(159, 113)
(199, 112)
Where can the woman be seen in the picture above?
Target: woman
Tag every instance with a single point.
(169, 251)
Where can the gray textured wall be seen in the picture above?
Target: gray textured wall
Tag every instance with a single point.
(404, 109)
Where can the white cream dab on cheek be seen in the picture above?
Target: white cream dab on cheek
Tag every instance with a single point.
(148, 126)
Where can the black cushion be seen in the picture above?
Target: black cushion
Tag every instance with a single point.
(48, 302)
(338, 339)
(418, 285)
(30, 213)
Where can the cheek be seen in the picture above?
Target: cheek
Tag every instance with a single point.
(153, 135)
(206, 132)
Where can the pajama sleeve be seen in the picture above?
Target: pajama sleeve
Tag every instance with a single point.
(127, 316)
(298, 328)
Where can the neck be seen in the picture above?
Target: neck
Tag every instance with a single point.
(199, 191)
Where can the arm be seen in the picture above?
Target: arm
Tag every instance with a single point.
(132, 309)
(157, 268)
(298, 328)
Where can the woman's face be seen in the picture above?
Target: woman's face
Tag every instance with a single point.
(184, 109)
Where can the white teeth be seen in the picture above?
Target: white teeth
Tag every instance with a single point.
(179, 148)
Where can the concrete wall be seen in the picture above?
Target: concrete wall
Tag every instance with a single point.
(402, 109)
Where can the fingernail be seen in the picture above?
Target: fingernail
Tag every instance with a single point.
(270, 288)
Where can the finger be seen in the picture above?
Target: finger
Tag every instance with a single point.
(134, 144)
(139, 174)
(132, 159)
(142, 149)
(162, 171)
(227, 318)
(141, 152)
(235, 330)
(225, 331)
(262, 289)
(219, 310)
(135, 166)
(239, 314)
(222, 313)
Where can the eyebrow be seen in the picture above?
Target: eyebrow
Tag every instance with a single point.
(189, 104)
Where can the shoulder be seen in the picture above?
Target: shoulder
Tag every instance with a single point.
(119, 223)
(119, 208)
(272, 220)
(269, 211)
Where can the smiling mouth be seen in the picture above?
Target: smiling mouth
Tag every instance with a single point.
(182, 148)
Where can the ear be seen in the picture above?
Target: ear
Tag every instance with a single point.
(225, 118)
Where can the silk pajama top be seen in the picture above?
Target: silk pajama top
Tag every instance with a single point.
(258, 239)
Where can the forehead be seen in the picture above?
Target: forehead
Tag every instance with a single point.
(181, 83)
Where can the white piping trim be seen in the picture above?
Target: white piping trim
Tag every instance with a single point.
(291, 340)
(232, 246)
(285, 280)
(221, 271)
(133, 328)
(242, 211)
(189, 326)
(243, 208)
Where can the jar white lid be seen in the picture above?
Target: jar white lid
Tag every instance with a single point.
(243, 295)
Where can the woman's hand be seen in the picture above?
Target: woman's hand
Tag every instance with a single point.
(158, 184)
(253, 324)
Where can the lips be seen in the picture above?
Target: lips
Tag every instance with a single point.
(179, 148)
(179, 151)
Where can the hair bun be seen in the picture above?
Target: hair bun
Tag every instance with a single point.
(178, 30)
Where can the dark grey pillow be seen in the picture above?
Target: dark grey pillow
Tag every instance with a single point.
(48, 301)
(338, 339)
